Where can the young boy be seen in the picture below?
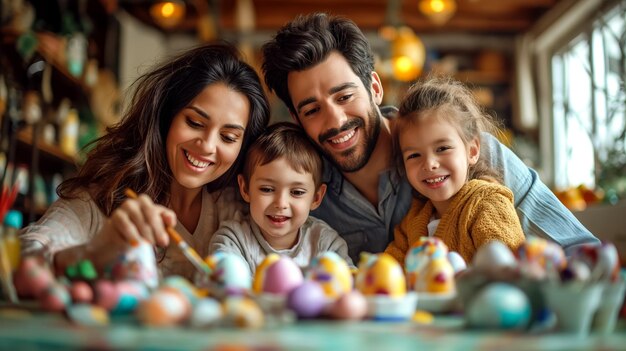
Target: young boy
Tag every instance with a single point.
(281, 181)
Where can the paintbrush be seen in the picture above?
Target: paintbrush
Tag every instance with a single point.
(187, 250)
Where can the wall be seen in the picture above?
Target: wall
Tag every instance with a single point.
(142, 46)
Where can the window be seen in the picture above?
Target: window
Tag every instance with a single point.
(589, 105)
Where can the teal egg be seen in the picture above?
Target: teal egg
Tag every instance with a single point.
(499, 306)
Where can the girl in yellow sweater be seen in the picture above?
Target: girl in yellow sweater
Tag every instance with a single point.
(437, 140)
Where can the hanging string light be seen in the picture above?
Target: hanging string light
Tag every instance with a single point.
(438, 11)
(408, 55)
(168, 14)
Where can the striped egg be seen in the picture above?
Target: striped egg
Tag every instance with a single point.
(259, 275)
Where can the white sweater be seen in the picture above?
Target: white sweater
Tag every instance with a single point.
(74, 222)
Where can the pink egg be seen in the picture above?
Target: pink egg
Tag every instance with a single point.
(307, 300)
(81, 292)
(106, 295)
(351, 305)
(32, 277)
(282, 276)
(55, 298)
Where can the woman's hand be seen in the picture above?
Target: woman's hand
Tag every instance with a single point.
(139, 219)
(134, 220)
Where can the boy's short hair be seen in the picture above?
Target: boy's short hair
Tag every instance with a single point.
(288, 140)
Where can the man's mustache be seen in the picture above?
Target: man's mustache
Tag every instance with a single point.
(331, 133)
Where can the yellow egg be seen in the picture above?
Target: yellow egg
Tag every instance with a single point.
(259, 275)
(332, 273)
(381, 274)
(242, 312)
(420, 253)
(436, 277)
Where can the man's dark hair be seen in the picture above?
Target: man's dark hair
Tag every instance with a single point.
(307, 41)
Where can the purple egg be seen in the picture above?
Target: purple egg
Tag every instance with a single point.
(307, 300)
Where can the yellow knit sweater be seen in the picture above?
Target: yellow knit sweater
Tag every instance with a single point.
(480, 212)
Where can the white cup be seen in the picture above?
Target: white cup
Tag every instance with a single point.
(574, 305)
(612, 298)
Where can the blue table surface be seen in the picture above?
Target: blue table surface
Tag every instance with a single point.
(35, 330)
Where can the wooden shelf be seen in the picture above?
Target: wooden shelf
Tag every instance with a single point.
(482, 77)
(48, 49)
(51, 151)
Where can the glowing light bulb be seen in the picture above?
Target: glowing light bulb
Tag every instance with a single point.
(408, 55)
(167, 10)
(168, 13)
(438, 11)
(437, 5)
(403, 64)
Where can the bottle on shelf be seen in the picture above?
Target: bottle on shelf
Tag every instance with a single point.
(12, 224)
(69, 133)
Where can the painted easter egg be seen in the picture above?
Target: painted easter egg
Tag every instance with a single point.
(307, 300)
(88, 315)
(191, 292)
(230, 272)
(493, 255)
(499, 305)
(137, 263)
(541, 252)
(332, 273)
(349, 306)
(437, 277)
(81, 292)
(420, 253)
(130, 293)
(242, 312)
(282, 276)
(165, 307)
(602, 260)
(206, 312)
(106, 294)
(457, 261)
(575, 271)
(32, 277)
(55, 298)
(380, 274)
(259, 274)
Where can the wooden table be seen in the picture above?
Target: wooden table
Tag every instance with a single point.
(34, 330)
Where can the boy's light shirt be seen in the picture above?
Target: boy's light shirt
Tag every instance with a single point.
(366, 228)
(244, 238)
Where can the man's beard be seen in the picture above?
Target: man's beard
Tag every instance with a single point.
(349, 161)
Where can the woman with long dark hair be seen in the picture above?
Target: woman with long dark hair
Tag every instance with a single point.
(179, 145)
